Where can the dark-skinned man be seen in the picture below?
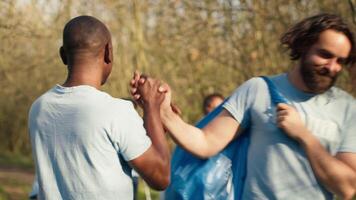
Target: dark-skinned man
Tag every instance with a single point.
(84, 141)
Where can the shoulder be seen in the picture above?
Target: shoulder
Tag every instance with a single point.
(342, 98)
(123, 105)
(41, 100)
(255, 82)
(123, 110)
(251, 86)
(341, 95)
(343, 101)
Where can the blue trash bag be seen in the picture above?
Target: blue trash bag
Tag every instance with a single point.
(221, 177)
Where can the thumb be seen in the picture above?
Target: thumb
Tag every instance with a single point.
(164, 88)
(176, 109)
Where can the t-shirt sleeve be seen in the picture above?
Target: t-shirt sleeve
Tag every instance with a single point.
(348, 143)
(130, 134)
(240, 102)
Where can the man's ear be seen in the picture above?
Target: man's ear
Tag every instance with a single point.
(108, 53)
(63, 55)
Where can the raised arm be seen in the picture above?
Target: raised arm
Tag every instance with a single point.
(337, 174)
(205, 142)
(200, 142)
(154, 164)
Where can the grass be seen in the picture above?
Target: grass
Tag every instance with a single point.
(3, 194)
(141, 192)
(16, 176)
(14, 188)
(8, 159)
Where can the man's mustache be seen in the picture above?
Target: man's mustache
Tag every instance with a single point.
(324, 71)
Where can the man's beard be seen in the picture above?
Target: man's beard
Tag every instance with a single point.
(318, 79)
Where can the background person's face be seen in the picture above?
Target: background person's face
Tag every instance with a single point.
(213, 104)
(321, 65)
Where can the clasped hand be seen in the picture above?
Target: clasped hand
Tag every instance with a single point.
(289, 120)
(147, 91)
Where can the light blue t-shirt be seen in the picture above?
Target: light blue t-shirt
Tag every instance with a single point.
(82, 139)
(277, 166)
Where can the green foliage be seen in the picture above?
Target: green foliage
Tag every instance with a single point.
(198, 47)
(141, 194)
(10, 159)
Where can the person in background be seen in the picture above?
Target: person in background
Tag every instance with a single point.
(211, 101)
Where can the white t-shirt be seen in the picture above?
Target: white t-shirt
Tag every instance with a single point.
(277, 166)
(81, 139)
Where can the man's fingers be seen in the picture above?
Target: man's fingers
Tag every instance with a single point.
(142, 79)
(133, 91)
(282, 112)
(176, 109)
(280, 118)
(133, 82)
(164, 88)
(136, 96)
(136, 77)
(161, 89)
(282, 106)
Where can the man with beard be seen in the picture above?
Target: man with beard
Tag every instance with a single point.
(305, 149)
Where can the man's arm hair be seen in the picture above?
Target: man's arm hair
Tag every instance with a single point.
(337, 174)
(205, 142)
(334, 174)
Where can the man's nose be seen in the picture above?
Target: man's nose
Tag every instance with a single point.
(334, 66)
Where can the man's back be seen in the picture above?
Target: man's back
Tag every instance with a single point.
(77, 134)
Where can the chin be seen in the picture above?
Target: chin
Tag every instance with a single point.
(319, 88)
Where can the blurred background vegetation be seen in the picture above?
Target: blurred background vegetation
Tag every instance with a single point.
(198, 47)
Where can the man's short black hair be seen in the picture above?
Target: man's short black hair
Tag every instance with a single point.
(84, 34)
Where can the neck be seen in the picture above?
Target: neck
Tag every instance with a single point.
(83, 75)
(295, 77)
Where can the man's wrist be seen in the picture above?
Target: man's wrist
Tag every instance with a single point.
(152, 107)
(306, 139)
(167, 115)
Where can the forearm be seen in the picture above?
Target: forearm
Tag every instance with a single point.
(155, 131)
(187, 136)
(331, 172)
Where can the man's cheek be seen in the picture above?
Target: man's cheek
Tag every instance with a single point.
(318, 61)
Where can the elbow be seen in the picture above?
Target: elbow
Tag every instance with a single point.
(161, 183)
(203, 156)
(165, 180)
(161, 178)
(348, 194)
(204, 153)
